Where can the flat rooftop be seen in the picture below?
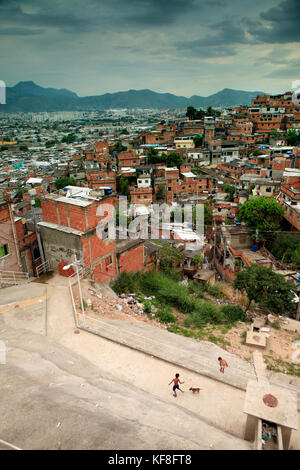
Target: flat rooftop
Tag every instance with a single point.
(285, 411)
(61, 228)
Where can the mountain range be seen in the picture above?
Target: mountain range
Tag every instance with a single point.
(30, 97)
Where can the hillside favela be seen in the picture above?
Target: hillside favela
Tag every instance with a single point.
(150, 238)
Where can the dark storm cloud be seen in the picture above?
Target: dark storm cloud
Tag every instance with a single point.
(226, 32)
(59, 15)
(227, 35)
(92, 15)
(158, 12)
(283, 23)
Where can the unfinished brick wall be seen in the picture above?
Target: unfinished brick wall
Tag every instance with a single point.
(132, 260)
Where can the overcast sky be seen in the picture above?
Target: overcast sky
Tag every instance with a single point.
(184, 47)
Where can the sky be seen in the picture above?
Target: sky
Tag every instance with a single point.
(185, 47)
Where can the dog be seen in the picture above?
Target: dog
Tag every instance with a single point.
(195, 390)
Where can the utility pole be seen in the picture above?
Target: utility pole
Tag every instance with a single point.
(298, 311)
(12, 219)
(32, 192)
(298, 307)
(215, 237)
(76, 264)
(224, 257)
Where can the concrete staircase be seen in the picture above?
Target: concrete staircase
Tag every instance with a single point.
(13, 278)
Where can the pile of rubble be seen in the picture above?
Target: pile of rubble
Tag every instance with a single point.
(120, 306)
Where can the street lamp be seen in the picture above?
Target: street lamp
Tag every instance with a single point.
(77, 264)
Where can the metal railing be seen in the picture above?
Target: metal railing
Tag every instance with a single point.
(42, 268)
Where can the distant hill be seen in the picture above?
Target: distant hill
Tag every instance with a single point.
(30, 97)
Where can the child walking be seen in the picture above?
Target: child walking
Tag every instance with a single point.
(176, 385)
(222, 363)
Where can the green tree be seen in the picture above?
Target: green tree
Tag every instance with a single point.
(207, 214)
(286, 248)
(21, 191)
(37, 202)
(212, 112)
(50, 143)
(275, 134)
(198, 140)
(292, 137)
(61, 183)
(265, 287)
(119, 147)
(261, 214)
(161, 192)
(23, 148)
(69, 139)
(124, 186)
(255, 153)
(174, 159)
(170, 258)
(153, 156)
(230, 190)
(191, 113)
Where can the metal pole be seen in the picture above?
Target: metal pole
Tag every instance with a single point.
(225, 249)
(12, 219)
(80, 293)
(38, 237)
(215, 238)
(298, 308)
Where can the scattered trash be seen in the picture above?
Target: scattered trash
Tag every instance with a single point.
(58, 425)
(119, 307)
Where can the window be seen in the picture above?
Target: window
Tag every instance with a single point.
(268, 190)
(4, 250)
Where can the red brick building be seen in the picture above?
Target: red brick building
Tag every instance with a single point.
(18, 244)
(128, 159)
(290, 197)
(70, 228)
(141, 195)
